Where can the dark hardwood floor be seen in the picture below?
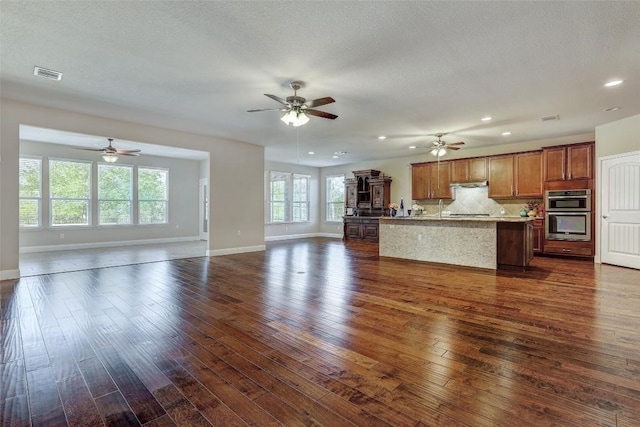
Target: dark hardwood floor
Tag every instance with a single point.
(321, 332)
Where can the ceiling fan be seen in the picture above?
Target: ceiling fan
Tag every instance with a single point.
(440, 146)
(297, 109)
(110, 153)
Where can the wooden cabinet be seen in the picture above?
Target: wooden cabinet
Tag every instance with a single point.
(568, 162)
(515, 244)
(538, 236)
(420, 179)
(568, 248)
(351, 192)
(440, 180)
(467, 170)
(500, 172)
(431, 181)
(361, 228)
(369, 192)
(528, 174)
(515, 175)
(380, 193)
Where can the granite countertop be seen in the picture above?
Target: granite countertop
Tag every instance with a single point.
(458, 218)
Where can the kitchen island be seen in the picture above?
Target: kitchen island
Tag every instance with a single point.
(486, 242)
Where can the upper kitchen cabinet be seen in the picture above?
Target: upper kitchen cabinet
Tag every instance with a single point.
(468, 170)
(431, 181)
(420, 179)
(515, 175)
(528, 174)
(500, 172)
(568, 162)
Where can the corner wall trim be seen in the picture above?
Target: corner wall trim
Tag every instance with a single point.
(95, 245)
(231, 251)
(302, 236)
(9, 274)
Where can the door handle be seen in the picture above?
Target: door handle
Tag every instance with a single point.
(604, 216)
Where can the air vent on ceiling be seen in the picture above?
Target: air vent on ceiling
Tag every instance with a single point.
(549, 118)
(46, 73)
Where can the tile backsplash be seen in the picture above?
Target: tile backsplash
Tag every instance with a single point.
(475, 201)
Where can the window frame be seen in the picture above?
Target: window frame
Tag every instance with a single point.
(88, 199)
(329, 203)
(290, 201)
(38, 198)
(100, 199)
(165, 200)
(304, 205)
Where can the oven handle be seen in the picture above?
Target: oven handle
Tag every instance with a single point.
(583, 213)
(567, 197)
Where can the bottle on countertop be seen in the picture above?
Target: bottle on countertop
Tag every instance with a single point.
(401, 207)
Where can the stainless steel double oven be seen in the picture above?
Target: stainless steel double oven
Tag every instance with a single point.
(568, 215)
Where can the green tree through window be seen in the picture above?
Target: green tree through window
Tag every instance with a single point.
(70, 192)
(114, 194)
(30, 204)
(153, 192)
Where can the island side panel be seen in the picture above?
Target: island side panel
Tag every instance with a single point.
(468, 243)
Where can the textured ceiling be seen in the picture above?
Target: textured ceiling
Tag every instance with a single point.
(401, 69)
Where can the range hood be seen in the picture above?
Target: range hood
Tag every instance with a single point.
(470, 184)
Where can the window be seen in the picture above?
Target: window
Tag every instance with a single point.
(70, 192)
(30, 203)
(288, 197)
(153, 196)
(335, 198)
(300, 198)
(114, 194)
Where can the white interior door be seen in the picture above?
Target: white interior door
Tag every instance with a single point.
(620, 208)
(204, 209)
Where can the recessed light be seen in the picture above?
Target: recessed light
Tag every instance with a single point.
(506, 133)
(411, 147)
(311, 152)
(334, 157)
(613, 83)
(611, 109)
(382, 137)
(486, 119)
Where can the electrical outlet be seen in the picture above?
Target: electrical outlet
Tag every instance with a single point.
(419, 237)
(62, 235)
(238, 232)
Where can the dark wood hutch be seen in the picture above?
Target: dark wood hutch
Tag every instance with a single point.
(368, 196)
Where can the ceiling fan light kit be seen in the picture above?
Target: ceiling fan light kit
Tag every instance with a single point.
(110, 158)
(295, 118)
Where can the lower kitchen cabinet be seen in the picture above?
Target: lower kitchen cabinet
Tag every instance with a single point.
(568, 248)
(515, 244)
(361, 228)
(538, 236)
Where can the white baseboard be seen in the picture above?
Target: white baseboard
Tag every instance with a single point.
(9, 274)
(231, 251)
(96, 245)
(302, 236)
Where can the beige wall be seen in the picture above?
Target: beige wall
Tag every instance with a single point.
(619, 137)
(235, 174)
